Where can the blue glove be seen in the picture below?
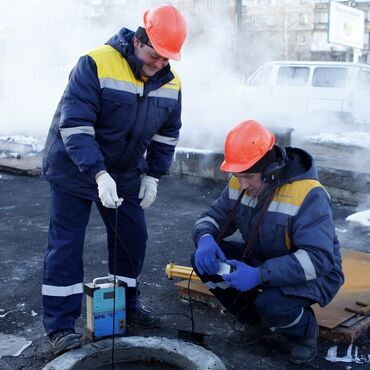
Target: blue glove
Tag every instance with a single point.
(244, 278)
(207, 255)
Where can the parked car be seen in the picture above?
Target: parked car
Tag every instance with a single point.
(311, 89)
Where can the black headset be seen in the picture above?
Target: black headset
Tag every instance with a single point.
(271, 172)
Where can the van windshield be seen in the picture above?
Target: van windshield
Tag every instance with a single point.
(261, 77)
(330, 77)
(293, 76)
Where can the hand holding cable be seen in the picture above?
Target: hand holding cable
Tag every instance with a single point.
(208, 255)
(244, 278)
(148, 191)
(107, 190)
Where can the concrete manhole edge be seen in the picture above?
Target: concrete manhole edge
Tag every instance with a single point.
(186, 355)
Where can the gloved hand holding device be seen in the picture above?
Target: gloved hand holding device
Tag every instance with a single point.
(244, 278)
(148, 191)
(208, 255)
(107, 190)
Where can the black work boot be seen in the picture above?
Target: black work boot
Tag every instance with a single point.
(64, 340)
(142, 318)
(304, 350)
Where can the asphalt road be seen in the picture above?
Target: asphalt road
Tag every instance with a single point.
(24, 207)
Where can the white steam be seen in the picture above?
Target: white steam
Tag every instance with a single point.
(41, 40)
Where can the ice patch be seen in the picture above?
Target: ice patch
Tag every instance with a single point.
(349, 357)
(10, 345)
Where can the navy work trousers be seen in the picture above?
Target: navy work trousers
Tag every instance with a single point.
(291, 316)
(63, 265)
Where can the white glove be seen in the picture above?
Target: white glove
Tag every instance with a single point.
(107, 189)
(148, 191)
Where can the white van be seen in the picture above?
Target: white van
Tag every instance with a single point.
(293, 89)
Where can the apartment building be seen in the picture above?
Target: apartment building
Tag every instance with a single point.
(294, 30)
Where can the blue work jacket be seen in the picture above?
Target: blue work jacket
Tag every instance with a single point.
(110, 119)
(296, 246)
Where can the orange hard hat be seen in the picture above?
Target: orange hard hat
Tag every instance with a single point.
(245, 145)
(166, 28)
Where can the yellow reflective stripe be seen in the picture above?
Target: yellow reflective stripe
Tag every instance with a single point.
(62, 291)
(234, 183)
(112, 69)
(296, 192)
(110, 64)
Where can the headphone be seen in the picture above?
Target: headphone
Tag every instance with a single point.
(271, 172)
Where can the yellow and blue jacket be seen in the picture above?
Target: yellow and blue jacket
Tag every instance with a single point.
(296, 246)
(109, 119)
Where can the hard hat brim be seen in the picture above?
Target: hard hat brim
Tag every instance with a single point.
(234, 168)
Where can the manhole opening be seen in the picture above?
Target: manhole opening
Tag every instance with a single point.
(139, 365)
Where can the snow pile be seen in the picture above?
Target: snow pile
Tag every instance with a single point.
(349, 139)
(360, 218)
(18, 145)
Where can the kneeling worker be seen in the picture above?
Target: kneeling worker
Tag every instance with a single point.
(289, 258)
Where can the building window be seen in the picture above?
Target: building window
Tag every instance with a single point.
(272, 2)
(293, 76)
(256, 2)
(255, 20)
(301, 38)
(303, 18)
(270, 20)
(321, 17)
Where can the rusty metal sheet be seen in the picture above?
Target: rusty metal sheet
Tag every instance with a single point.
(356, 267)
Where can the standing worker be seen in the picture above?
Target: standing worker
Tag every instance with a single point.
(289, 258)
(122, 101)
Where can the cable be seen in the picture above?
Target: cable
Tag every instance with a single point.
(191, 303)
(117, 237)
(114, 283)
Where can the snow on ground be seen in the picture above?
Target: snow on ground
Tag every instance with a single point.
(352, 139)
(36, 143)
(11, 345)
(360, 218)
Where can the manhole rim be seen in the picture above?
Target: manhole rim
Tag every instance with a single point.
(186, 355)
